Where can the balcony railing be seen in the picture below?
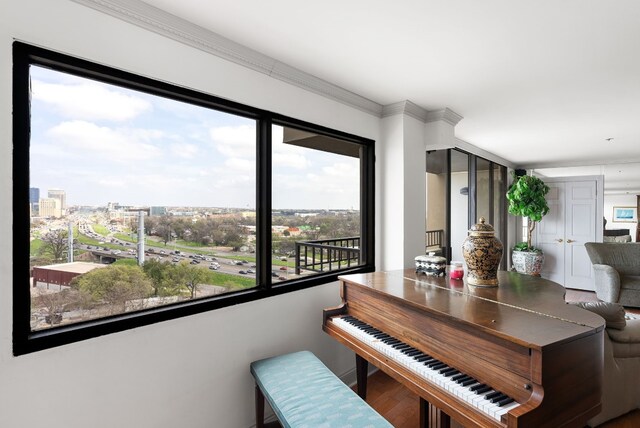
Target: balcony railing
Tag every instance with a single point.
(434, 242)
(324, 255)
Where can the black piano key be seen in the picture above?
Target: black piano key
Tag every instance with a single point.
(414, 353)
(433, 363)
(447, 371)
(459, 376)
(455, 372)
(505, 401)
(401, 346)
(484, 389)
(438, 366)
(498, 398)
(463, 378)
(492, 395)
(477, 387)
(468, 382)
(424, 358)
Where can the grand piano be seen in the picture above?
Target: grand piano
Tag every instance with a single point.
(515, 355)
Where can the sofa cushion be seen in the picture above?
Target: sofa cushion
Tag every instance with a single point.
(613, 313)
(630, 281)
(626, 342)
(622, 238)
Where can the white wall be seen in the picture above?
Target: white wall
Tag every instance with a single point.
(611, 201)
(191, 372)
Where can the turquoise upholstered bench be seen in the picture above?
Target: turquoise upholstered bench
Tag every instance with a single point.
(303, 392)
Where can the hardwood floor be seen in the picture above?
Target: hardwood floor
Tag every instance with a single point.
(401, 407)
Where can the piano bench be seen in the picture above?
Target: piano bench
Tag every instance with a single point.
(303, 392)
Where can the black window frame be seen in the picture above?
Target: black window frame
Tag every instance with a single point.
(24, 339)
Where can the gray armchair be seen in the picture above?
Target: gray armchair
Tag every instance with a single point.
(616, 269)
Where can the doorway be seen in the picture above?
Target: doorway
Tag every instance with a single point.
(574, 218)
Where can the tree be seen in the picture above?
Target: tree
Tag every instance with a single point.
(161, 275)
(157, 271)
(115, 286)
(54, 244)
(164, 229)
(54, 303)
(187, 276)
(526, 198)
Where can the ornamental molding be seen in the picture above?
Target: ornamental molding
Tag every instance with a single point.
(406, 108)
(158, 21)
(446, 114)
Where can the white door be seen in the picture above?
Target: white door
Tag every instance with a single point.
(580, 228)
(550, 235)
(574, 218)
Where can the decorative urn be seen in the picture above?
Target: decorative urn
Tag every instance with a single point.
(482, 252)
(431, 265)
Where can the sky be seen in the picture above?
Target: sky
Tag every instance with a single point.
(102, 143)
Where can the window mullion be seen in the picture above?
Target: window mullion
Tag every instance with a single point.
(263, 202)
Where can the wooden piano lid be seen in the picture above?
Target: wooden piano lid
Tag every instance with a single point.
(529, 309)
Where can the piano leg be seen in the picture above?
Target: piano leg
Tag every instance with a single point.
(432, 417)
(362, 368)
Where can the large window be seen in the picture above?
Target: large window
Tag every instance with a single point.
(136, 201)
(461, 188)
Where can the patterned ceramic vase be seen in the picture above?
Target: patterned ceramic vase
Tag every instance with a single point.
(482, 252)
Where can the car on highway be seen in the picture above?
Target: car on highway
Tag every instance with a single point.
(242, 272)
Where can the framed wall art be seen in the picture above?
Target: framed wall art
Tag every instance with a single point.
(625, 214)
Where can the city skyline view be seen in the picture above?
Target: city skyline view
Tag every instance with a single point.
(102, 143)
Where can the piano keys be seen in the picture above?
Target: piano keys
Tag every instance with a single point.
(511, 356)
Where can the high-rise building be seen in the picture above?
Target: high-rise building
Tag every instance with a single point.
(34, 198)
(34, 195)
(60, 195)
(50, 207)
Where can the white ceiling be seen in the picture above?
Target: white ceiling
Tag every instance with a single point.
(538, 83)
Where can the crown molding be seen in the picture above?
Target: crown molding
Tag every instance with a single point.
(407, 108)
(564, 164)
(446, 114)
(158, 21)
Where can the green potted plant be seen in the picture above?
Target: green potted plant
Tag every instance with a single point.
(526, 198)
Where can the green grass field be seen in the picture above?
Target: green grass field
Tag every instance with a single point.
(100, 229)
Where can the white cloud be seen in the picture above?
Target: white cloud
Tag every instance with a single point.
(88, 100)
(237, 164)
(342, 170)
(106, 143)
(290, 160)
(185, 150)
(235, 141)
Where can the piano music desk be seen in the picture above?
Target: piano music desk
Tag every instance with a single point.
(519, 338)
